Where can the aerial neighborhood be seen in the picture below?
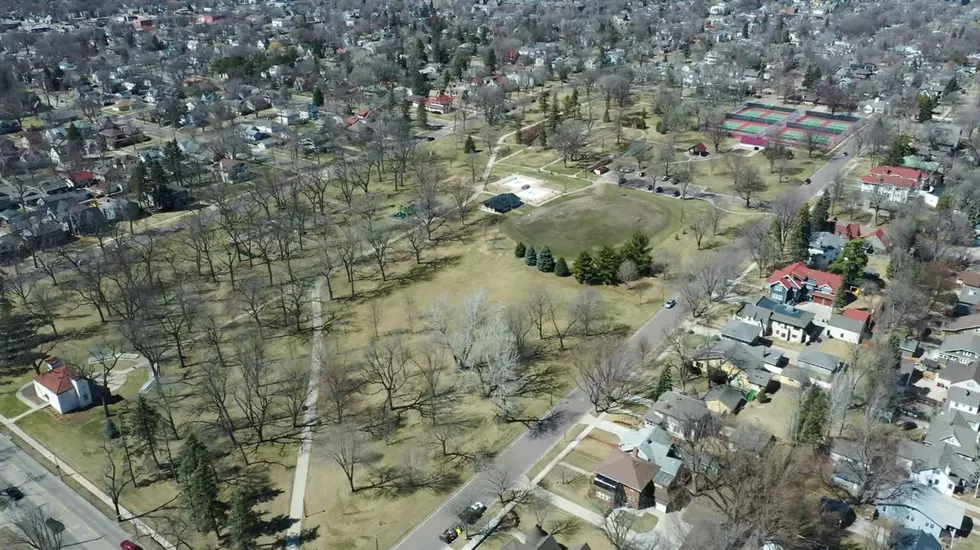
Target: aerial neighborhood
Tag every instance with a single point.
(500, 274)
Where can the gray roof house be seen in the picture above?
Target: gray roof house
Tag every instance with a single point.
(967, 323)
(940, 466)
(724, 400)
(653, 444)
(825, 248)
(535, 538)
(964, 348)
(923, 508)
(677, 413)
(967, 300)
(914, 539)
(741, 331)
(846, 328)
(955, 428)
(819, 362)
(781, 320)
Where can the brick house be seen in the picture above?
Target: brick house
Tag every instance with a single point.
(798, 283)
(624, 480)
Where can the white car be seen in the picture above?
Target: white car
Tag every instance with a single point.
(670, 303)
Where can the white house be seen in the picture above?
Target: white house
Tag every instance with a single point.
(896, 184)
(874, 107)
(63, 391)
(850, 326)
(939, 466)
(924, 508)
(289, 117)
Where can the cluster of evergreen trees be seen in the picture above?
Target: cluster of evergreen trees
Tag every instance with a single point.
(543, 260)
(810, 423)
(601, 268)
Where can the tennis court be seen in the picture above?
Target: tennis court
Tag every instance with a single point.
(821, 124)
(761, 115)
(792, 127)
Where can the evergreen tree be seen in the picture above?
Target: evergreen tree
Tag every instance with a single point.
(491, 60)
(137, 182)
(665, 383)
(899, 149)
(530, 256)
(174, 158)
(317, 97)
(546, 263)
(799, 238)
(545, 102)
(191, 454)
(775, 236)
(553, 116)
(518, 135)
(74, 137)
(812, 77)
(852, 261)
(145, 423)
(840, 301)
(422, 116)
(561, 267)
(406, 108)
(520, 250)
(637, 250)
(927, 107)
(585, 269)
(110, 430)
(156, 176)
(469, 146)
(572, 108)
(201, 497)
(605, 115)
(607, 262)
(243, 522)
(813, 426)
(821, 211)
(543, 137)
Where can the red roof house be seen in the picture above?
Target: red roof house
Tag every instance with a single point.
(878, 240)
(440, 104)
(698, 149)
(798, 283)
(63, 390)
(858, 315)
(847, 230)
(906, 178)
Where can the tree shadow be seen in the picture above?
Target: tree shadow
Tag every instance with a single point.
(306, 536)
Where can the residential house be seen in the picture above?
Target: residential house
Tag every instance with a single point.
(289, 117)
(962, 381)
(851, 325)
(748, 438)
(967, 323)
(874, 107)
(677, 413)
(440, 104)
(624, 480)
(797, 283)
(535, 538)
(818, 362)
(963, 348)
(725, 400)
(779, 320)
(877, 242)
(938, 466)
(967, 300)
(741, 331)
(914, 539)
(233, 170)
(897, 184)
(968, 278)
(653, 444)
(825, 248)
(748, 368)
(63, 390)
(925, 509)
(849, 231)
(956, 428)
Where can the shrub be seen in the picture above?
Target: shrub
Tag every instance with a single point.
(520, 250)
(561, 267)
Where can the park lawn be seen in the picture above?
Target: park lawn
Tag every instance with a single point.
(603, 216)
(569, 436)
(714, 174)
(10, 405)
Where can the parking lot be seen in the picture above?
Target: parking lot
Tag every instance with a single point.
(666, 188)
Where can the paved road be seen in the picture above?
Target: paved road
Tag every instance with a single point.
(85, 526)
(530, 447)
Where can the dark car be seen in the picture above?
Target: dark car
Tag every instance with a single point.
(129, 545)
(910, 413)
(837, 511)
(660, 189)
(451, 534)
(807, 181)
(473, 512)
(649, 187)
(13, 493)
(676, 193)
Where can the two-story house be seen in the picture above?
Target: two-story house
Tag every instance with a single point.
(679, 414)
(653, 444)
(747, 368)
(923, 508)
(963, 348)
(825, 248)
(895, 183)
(778, 319)
(797, 283)
(939, 466)
(624, 480)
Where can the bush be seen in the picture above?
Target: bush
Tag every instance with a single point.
(111, 431)
(520, 250)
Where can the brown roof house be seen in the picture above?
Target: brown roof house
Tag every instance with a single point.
(535, 539)
(61, 388)
(624, 480)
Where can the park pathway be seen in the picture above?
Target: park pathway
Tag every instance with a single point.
(297, 499)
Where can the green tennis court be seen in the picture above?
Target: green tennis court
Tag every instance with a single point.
(733, 124)
(758, 113)
(775, 118)
(752, 129)
(839, 127)
(793, 135)
(811, 122)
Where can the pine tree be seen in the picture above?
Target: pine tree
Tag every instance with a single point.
(546, 263)
(406, 108)
(553, 116)
(530, 256)
(317, 97)
(518, 135)
(545, 101)
(145, 423)
(243, 522)
(201, 497)
(491, 60)
(607, 262)
(191, 454)
(585, 269)
(799, 239)
(665, 383)
(137, 182)
(821, 211)
(637, 250)
(573, 107)
(469, 146)
(814, 422)
(776, 237)
(851, 262)
(561, 267)
(422, 116)
(520, 250)
(543, 137)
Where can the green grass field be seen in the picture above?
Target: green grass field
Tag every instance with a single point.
(603, 216)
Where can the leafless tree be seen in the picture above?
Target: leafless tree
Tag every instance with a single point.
(605, 371)
(460, 195)
(587, 309)
(668, 153)
(255, 392)
(570, 138)
(879, 477)
(292, 389)
(214, 388)
(627, 273)
(349, 249)
(700, 225)
(380, 239)
(115, 480)
(45, 302)
(878, 199)
(746, 180)
(347, 446)
(418, 240)
(428, 207)
(32, 527)
(506, 487)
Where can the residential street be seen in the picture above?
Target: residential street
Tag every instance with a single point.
(530, 447)
(86, 527)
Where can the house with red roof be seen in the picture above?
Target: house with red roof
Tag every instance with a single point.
(877, 242)
(898, 184)
(797, 283)
(62, 389)
(698, 149)
(851, 325)
(440, 104)
(849, 231)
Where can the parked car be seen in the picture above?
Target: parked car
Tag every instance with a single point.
(650, 187)
(12, 493)
(670, 303)
(838, 511)
(129, 545)
(660, 189)
(451, 534)
(910, 413)
(676, 193)
(473, 512)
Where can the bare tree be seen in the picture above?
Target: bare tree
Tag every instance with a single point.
(700, 225)
(605, 371)
(878, 199)
(347, 446)
(570, 138)
(380, 240)
(587, 309)
(746, 180)
(32, 527)
(627, 272)
(506, 487)
(878, 476)
(254, 393)
(114, 479)
(460, 195)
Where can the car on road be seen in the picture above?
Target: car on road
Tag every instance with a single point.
(451, 534)
(676, 193)
(473, 512)
(660, 189)
(670, 303)
(12, 493)
(807, 181)
(129, 545)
